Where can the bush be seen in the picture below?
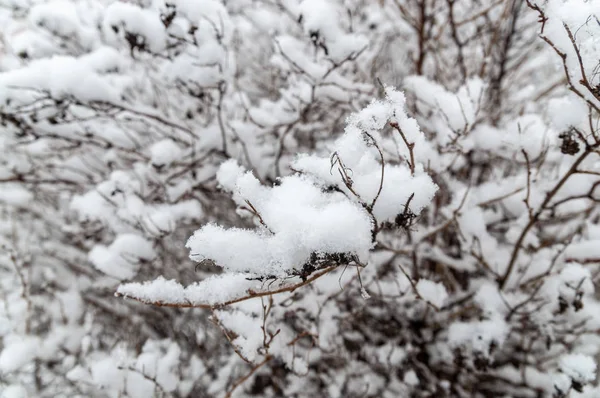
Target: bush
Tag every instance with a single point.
(389, 198)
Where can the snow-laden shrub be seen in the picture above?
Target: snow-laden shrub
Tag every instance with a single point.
(379, 198)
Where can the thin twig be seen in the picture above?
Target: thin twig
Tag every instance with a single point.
(241, 381)
(527, 196)
(372, 205)
(409, 145)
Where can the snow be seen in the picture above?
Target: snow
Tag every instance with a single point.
(361, 160)
(562, 382)
(106, 374)
(138, 376)
(478, 336)
(228, 174)
(15, 194)
(128, 107)
(579, 367)
(158, 362)
(300, 219)
(432, 292)
(530, 133)
(104, 60)
(411, 378)
(62, 76)
(122, 258)
(460, 108)
(210, 13)
(61, 17)
(491, 300)
(213, 290)
(18, 351)
(527, 132)
(323, 18)
(165, 152)
(248, 330)
(565, 112)
(14, 391)
(584, 250)
(117, 202)
(120, 17)
(575, 279)
(158, 290)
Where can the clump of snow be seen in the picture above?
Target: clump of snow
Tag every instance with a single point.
(562, 382)
(156, 366)
(229, 173)
(122, 258)
(60, 17)
(459, 109)
(356, 155)
(117, 202)
(566, 111)
(572, 284)
(432, 292)
(15, 194)
(583, 250)
(18, 351)
(526, 133)
(298, 219)
(62, 77)
(158, 290)
(478, 337)
(411, 378)
(106, 374)
(529, 133)
(214, 290)
(164, 152)
(321, 21)
(208, 14)
(157, 362)
(579, 367)
(104, 60)
(14, 391)
(121, 18)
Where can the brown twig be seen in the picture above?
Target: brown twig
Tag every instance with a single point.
(527, 196)
(409, 145)
(257, 214)
(215, 320)
(241, 381)
(372, 205)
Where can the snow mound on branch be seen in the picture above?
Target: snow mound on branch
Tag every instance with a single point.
(434, 293)
(123, 18)
(580, 368)
(357, 155)
(165, 152)
(122, 258)
(61, 77)
(478, 337)
(14, 391)
(321, 21)
(297, 219)
(215, 290)
(18, 351)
